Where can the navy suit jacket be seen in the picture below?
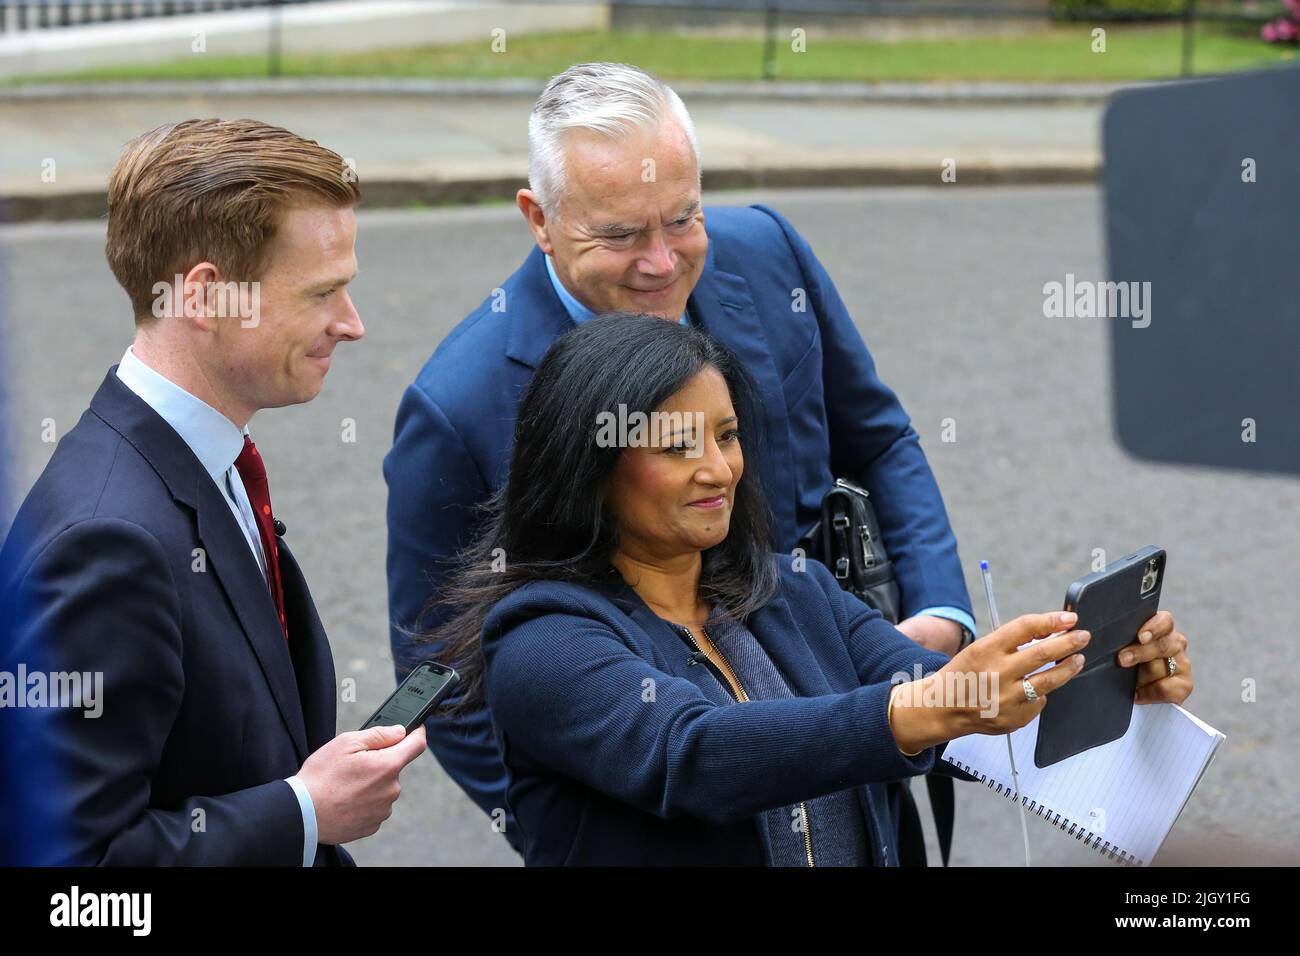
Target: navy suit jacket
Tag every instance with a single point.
(762, 293)
(621, 753)
(126, 560)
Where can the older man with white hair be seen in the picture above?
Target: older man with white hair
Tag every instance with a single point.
(615, 208)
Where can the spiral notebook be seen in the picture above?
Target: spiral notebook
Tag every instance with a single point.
(1121, 798)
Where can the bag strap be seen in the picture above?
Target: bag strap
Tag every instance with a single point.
(943, 801)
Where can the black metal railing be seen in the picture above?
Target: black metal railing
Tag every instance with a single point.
(766, 16)
(52, 14)
(776, 13)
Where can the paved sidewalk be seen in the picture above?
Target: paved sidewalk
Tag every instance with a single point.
(437, 145)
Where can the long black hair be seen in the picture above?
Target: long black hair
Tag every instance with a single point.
(549, 521)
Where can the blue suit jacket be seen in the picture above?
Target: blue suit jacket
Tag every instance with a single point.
(826, 414)
(126, 560)
(621, 753)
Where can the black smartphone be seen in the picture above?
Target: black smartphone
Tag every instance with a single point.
(1095, 707)
(416, 697)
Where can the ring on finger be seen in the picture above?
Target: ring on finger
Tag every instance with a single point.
(1031, 695)
(1172, 665)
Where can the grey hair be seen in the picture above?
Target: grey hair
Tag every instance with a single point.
(612, 99)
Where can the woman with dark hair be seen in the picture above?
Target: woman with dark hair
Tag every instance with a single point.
(663, 688)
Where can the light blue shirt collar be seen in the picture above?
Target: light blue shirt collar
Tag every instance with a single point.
(214, 438)
(577, 311)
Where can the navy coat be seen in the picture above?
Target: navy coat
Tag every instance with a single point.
(125, 559)
(620, 752)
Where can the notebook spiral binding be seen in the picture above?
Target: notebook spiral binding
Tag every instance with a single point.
(1079, 832)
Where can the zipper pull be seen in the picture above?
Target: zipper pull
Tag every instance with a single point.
(697, 657)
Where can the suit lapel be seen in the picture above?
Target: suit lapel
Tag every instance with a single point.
(312, 661)
(537, 316)
(723, 304)
(237, 571)
(227, 552)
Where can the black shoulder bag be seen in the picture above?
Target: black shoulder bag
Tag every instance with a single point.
(847, 540)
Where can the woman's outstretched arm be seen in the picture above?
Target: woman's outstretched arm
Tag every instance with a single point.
(568, 695)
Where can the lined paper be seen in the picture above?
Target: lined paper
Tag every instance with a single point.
(1123, 797)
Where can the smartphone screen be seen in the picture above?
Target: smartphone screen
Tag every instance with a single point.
(408, 705)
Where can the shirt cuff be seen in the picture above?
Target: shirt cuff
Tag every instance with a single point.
(952, 614)
(308, 820)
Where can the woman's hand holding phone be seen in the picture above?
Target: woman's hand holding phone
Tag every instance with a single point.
(939, 707)
(1158, 641)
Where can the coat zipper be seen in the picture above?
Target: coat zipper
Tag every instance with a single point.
(738, 692)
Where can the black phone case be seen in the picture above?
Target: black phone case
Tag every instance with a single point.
(1096, 706)
(443, 693)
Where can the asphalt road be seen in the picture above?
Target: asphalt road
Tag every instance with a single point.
(946, 287)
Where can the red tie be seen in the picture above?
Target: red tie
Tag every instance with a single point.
(253, 472)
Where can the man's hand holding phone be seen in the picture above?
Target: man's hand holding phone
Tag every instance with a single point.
(353, 780)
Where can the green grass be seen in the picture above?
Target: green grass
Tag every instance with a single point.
(1057, 54)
